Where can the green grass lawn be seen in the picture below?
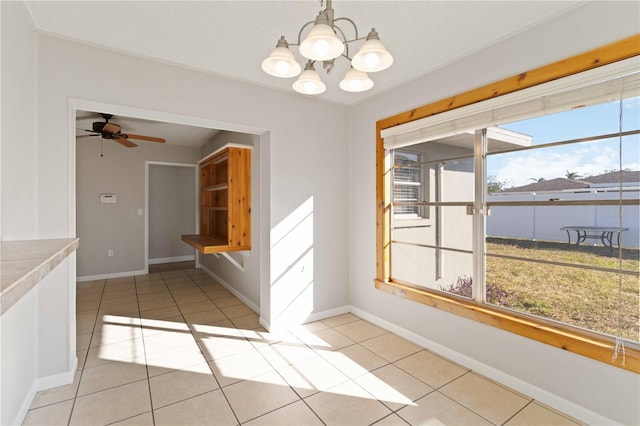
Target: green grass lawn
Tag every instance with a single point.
(580, 297)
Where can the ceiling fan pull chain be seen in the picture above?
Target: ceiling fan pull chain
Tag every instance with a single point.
(101, 155)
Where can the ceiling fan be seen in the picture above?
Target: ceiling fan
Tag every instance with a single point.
(113, 131)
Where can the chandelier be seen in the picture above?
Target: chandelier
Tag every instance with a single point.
(326, 42)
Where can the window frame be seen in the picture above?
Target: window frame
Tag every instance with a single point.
(583, 342)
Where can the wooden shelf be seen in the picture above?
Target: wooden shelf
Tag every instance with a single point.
(209, 244)
(225, 202)
(215, 209)
(218, 187)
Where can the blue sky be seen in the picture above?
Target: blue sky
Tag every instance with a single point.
(588, 158)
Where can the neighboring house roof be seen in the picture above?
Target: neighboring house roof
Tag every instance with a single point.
(556, 184)
(560, 184)
(614, 177)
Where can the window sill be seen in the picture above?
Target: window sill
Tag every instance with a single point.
(566, 338)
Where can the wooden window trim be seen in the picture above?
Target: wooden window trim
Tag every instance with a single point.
(568, 338)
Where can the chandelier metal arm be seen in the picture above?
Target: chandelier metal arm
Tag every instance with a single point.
(355, 29)
(300, 33)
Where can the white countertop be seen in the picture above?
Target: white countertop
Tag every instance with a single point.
(24, 263)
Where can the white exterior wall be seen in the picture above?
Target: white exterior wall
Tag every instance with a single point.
(588, 389)
(419, 265)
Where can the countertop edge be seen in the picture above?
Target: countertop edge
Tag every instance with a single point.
(15, 290)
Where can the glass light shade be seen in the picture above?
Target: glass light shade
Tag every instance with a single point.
(321, 44)
(309, 83)
(372, 57)
(356, 81)
(280, 62)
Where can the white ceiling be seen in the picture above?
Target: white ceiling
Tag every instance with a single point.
(231, 38)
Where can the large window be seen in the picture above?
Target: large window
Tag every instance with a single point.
(534, 204)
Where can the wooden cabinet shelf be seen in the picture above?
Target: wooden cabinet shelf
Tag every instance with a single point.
(218, 187)
(225, 202)
(214, 209)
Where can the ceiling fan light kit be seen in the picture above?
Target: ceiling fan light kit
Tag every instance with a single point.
(326, 42)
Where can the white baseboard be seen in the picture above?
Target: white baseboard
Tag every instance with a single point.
(48, 382)
(26, 403)
(264, 323)
(171, 259)
(107, 276)
(545, 397)
(40, 384)
(317, 316)
(235, 292)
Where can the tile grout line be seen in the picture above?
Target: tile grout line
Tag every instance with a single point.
(75, 396)
(191, 331)
(226, 398)
(144, 348)
(518, 411)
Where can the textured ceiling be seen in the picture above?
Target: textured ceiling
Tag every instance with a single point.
(231, 38)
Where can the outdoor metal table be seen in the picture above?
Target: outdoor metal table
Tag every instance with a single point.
(602, 233)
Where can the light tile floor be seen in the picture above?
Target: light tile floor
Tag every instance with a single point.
(177, 348)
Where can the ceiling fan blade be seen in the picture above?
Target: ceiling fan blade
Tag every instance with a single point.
(111, 128)
(123, 141)
(145, 138)
(85, 136)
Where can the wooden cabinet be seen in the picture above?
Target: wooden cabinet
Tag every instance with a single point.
(225, 202)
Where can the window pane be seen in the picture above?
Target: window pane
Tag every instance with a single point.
(574, 167)
(432, 268)
(580, 297)
(449, 227)
(578, 123)
(584, 235)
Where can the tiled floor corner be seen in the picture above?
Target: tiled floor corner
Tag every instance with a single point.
(177, 348)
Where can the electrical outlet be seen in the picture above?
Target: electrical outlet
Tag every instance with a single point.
(110, 252)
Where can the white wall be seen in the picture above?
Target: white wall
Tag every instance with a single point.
(118, 227)
(19, 135)
(37, 334)
(571, 382)
(172, 211)
(296, 126)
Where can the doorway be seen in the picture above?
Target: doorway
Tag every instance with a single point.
(171, 212)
